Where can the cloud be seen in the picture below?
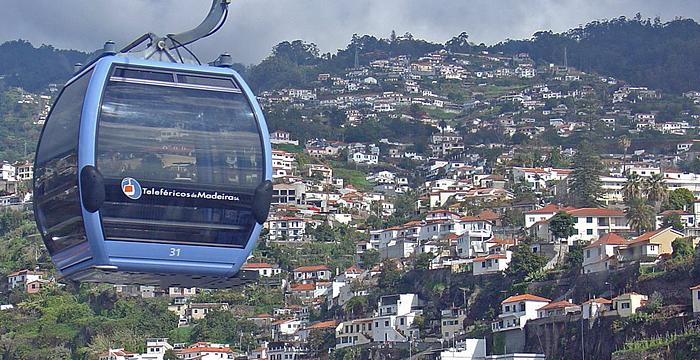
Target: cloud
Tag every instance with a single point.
(254, 26)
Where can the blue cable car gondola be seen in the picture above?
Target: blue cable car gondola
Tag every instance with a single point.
(153, 172)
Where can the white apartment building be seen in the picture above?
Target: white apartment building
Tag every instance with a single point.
(20, 279)
(393, 322)
(287, 229)
(590, 223)
(538, 178)
(517, 310)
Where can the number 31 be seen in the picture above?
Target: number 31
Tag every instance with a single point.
(174, 251)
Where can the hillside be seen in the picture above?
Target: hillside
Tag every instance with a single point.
(643, 52)
(34, 68)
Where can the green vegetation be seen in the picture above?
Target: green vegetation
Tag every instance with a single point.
(642, 51)
(585, 185)
(355, 178)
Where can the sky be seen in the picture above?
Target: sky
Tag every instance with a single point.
(255, 26)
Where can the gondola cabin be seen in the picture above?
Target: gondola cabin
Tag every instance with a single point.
(150, 172)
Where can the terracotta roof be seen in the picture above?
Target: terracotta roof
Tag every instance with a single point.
(599, 301)
(674, 212)
(502, 241)
(353, 270)
(608, 239)
(696, 287)
(550, 208)
(303, 287)
(595, 212)
(488, 215)
(524, 297)
(557, 305)
(324, 325)
(648, 235)
(262, 316)
(257, 266)
(490, 257)
(311, 268)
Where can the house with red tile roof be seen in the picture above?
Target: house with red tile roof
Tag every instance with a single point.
(589, 223)
(263, 269)
(558, 308)
(595, 307)
(491, 264)
(650, 245)
(517, 310)
(600, 254)
(312, 273)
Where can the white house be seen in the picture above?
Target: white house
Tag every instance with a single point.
(393, 322)
(21, 278)
(311, 273)
(599, 255)
(558, 308)
(491, 264)
(263, 269)
(593, 308)
(517, 310)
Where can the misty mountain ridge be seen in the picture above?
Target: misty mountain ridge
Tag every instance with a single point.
(643, 52)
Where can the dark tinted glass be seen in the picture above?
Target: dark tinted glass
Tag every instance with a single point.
(56, 171)
(144, 74)
(196, 154)
(207, 81)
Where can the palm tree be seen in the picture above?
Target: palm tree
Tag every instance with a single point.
(656, 190)
(640, 215)
(632, 188)
(624, 143)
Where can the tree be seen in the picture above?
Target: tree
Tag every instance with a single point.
(674, 221)
(681, 199)
(370, 258)
(624, 143)
(525, 263)
(423, 261)
(562, 226)
(459, 44)
(585, 185)
(656, 190)
(640, 215)
(357, 306)
(633, 187)
(170, 355)
(682, 248)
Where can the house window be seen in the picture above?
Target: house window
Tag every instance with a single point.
(589, 220)
(402, 321)
(589, 232)
(507, 308)
(588, 253)
(522, 306)
(625, 305)
(698, 295)
(386, 322)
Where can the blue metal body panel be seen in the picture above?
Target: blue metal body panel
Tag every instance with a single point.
(142, 257)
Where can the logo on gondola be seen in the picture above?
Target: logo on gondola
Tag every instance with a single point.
(131, 188)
